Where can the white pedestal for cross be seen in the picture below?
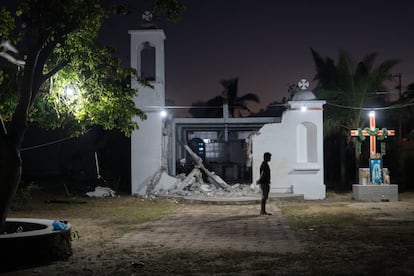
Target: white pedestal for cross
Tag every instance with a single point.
(375, 192)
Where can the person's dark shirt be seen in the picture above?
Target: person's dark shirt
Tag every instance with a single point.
(264, 173)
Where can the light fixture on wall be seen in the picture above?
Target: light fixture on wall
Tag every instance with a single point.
(163, 113)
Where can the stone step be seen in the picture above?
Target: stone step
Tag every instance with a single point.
(241, 200)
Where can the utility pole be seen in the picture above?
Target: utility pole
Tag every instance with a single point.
(399, 87)
(399, 80)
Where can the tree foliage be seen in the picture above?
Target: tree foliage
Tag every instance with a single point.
(349, 87)
(57, 40)
(350, 84)
(63, 36)
(230, 95)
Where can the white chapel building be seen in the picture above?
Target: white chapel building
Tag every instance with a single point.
(234, 147)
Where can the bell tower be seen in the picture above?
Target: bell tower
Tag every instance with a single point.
(147, 57)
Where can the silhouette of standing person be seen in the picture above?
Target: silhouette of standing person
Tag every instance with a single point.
(264, 181)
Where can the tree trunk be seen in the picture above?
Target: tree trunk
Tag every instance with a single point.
(343, 160)
(10, 173)
(11, 138)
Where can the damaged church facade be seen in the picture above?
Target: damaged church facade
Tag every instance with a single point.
(231, 148)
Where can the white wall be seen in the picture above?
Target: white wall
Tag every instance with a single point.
(296, 145)
(147, 142)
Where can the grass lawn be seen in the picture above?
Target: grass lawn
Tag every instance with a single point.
(340, 237)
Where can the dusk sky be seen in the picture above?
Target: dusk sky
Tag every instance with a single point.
(267, 43)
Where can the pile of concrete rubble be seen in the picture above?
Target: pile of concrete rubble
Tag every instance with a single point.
(193, 184)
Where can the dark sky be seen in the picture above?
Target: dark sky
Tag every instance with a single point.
(266, 43)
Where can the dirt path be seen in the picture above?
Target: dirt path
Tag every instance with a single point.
(193, 241)
(207, 227)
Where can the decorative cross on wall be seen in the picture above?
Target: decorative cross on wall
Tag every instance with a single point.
(373, 133)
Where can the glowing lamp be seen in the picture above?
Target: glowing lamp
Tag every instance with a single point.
(69, 91)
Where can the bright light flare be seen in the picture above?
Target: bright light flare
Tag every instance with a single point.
(69, 91)
(163, 113)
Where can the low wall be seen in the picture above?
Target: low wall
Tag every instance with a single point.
(37, 244)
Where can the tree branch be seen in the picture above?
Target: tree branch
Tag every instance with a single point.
(3, 130)
(55, 70)
(38, 75)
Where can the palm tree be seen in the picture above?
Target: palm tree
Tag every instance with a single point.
(230, 96)
(402, 114)
(213, 107)
(349, 84)
(408, 98)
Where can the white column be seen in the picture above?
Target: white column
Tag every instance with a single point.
(146, 142)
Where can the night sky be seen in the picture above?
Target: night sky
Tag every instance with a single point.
(266, 43)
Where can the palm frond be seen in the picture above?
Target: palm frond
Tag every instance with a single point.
(249, 97)
(230, 88)
(369, 60)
